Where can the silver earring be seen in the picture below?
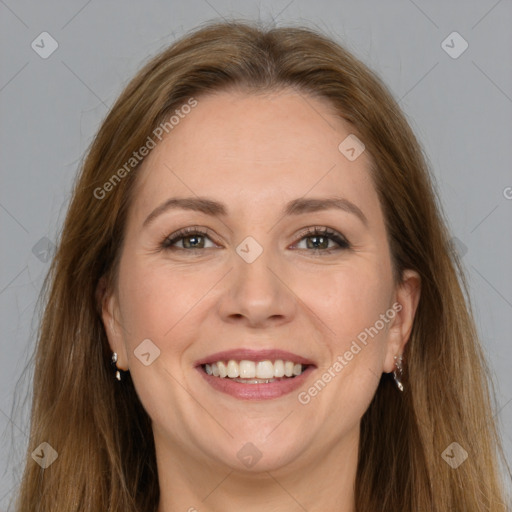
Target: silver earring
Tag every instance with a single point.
(114, 361)
(398, 372)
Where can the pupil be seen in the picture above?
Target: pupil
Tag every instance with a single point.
(193, 238)
(316, 238)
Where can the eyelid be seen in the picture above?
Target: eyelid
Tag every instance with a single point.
(343, 244)
(332, 234)
(188, 231)
(317, 229)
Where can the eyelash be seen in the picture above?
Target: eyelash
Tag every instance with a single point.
(325, 232)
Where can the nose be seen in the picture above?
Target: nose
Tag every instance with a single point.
(258, 294)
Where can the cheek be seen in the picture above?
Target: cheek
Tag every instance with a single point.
(157, 304)
(347, 301)
(354, 336)
(166, 304)
(153, 301)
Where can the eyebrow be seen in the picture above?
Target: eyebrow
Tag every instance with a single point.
(295, 207)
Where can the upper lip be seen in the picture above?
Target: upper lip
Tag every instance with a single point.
(240, 354)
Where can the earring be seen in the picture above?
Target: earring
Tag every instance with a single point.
(114, 361)
(398, 372)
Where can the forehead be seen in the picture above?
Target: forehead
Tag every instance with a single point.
(248, 149)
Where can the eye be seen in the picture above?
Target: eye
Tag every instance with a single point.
(318, 239)
(191, 238)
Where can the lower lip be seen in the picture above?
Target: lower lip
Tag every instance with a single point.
(256, 391)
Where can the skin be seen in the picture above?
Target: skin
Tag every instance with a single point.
(255, 153)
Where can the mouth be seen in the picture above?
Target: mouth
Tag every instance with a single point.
(255, 375)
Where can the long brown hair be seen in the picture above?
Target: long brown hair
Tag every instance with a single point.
(99, 428)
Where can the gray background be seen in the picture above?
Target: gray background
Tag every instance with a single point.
(460, 108)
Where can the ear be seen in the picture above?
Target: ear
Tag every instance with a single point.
(407, 296)
(107, 300)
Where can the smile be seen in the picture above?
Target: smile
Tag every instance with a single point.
(252, 372)
(255, 375)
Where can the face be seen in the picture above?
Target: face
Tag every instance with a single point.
(267, 272)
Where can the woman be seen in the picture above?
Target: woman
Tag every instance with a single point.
(254, 304)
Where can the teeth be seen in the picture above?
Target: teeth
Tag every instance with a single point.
(247, 369)
(223, 372)
(254, 381)
(260, 371)
(264, 370)
(233, 370)
(279, 368)
(288, 368)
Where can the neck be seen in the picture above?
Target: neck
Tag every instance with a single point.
(323, 482)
